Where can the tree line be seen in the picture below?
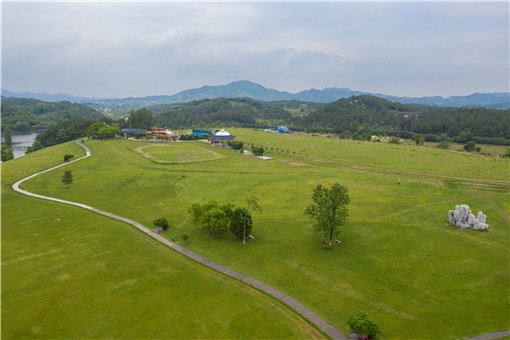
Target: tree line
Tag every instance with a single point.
(25, 114)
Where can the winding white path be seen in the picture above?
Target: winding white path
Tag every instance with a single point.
(303, 310)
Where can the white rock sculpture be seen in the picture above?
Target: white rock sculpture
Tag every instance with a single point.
(463, 218)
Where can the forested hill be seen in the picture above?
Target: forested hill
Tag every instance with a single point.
(368, 112)
(24, 114)
(234, 112)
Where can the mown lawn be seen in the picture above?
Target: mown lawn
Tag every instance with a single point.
(416, 276)
(69, 273)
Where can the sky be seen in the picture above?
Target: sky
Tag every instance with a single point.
(122, 49)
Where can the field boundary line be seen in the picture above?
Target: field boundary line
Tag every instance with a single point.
(301, 309)
(401, 172)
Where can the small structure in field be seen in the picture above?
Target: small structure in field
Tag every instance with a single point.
(204, 132)
(222, 136)
(127, 132)
(280, 129)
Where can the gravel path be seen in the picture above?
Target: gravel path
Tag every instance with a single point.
(303, 310)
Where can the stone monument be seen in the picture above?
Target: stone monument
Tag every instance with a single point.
(463, 218)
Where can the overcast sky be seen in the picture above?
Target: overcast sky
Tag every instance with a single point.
(137, 49)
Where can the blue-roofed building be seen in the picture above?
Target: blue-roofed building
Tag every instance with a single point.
(221, 137)
(203, 132)
(283, 129)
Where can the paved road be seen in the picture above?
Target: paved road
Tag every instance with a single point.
(303, 310)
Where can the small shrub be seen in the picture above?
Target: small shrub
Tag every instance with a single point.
(443, 144)
(67, 157)
(470, 146)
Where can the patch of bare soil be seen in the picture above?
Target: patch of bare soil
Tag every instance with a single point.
(298, 164)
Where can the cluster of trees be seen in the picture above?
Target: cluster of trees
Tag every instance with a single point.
(217, 219)
(359, 113)
(100, 130)
(64, 131)
(234, 112)
(24, 114)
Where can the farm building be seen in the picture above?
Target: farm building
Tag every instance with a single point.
(280, 129)
(222, 136)
(203, 132)
(127, 132)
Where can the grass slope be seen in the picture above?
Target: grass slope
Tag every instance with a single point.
(69, 273)
(417, 277)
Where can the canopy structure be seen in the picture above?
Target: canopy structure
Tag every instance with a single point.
(222, 136)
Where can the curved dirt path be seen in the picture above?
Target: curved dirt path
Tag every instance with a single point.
(300, 308)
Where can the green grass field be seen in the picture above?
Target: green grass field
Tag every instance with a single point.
(69, 273)
(416, 276)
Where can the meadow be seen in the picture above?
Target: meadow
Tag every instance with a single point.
(416, 276)
(69, 273)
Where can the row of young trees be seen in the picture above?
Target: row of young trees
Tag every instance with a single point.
(217, 219)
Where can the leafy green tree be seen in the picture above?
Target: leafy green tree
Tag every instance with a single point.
(245, 215)
(141, 119)
(36, 146)
(196, 212)
(216, 220)
(443, 145)
(418, 139)
(94, 129)
(470, 146)
(206, 208)
(362, 324)
(67, 179)
(108, 132)
(228, 208)
(329, 209)
(7, 153)
(161, 223)
(241, 223)
(465, 136)
(7, 136)
(258, 151)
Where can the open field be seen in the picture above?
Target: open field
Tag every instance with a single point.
(69, 273)
(417, 277)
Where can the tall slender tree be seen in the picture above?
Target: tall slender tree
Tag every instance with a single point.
(7, 136)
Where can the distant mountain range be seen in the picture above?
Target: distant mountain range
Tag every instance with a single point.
(247, 89)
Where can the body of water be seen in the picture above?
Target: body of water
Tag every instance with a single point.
(23, 140)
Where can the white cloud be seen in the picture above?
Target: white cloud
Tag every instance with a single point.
(136, 49)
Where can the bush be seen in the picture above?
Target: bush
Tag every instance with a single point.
(443, 145)
(235, 145)
(68, 157)
(470, 146)
(161, 223)
(362, 324)
(139, 135)
(258, 151)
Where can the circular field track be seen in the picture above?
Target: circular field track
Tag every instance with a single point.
(172, 153)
